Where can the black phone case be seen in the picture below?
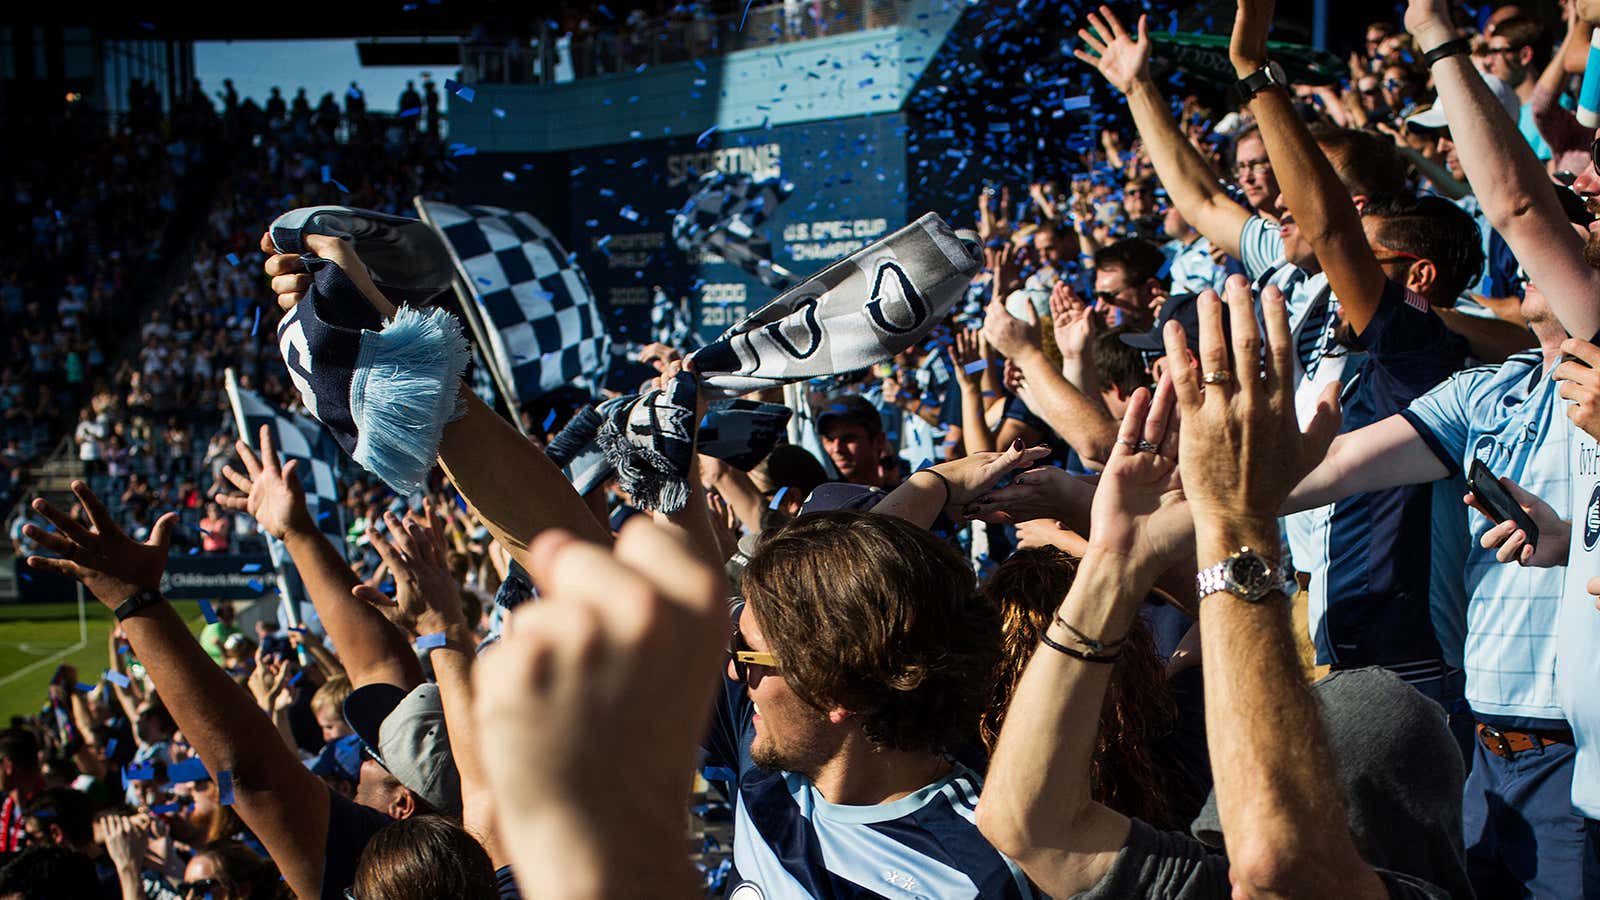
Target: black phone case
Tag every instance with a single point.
(1487, 488)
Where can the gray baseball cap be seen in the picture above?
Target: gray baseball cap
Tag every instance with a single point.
(405, 733)
(1399, 770)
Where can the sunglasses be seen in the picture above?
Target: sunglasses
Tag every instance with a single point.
(205, 887)
(1257, 167)
(1110, 297)
(1594, 155)
(743, 657)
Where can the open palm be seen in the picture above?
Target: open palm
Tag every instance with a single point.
(1120, 58)
(271, 494)
(1139, 508)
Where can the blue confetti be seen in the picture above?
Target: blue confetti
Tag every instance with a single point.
(250, 567)
(118, 679)
(977, 365)
(549, 420)
(191, 769)
(746, 14)
(459, 89)
(499, 113)
(327, 174)
(256, 325)
(341, 188)
(430, 641)
(232, 258)
(408, 113)
(778, 497)
(508, 176)
(207, 611)
(705, 137)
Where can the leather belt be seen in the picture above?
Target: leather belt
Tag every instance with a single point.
(1506, 744)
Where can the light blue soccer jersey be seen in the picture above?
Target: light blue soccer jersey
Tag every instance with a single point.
(1509, 416)
(789, 842)
(1191, 270)
(1578, 625)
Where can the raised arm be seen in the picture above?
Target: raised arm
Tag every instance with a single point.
(372, 650)
(950, 486)
(1189, 180)
(428, 601)
(480, 448)
(590, 710)
(280, 801)
(971, 369)
(1037, 806)
(1241, 450)
(1081, 420)
(1319, 202)
(1509, 181)
(1386, 454)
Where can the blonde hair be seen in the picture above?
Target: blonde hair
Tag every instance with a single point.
(331, 695)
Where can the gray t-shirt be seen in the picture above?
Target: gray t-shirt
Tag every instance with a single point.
(1170, 864)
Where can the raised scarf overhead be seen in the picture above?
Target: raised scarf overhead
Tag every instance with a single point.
(855, 313)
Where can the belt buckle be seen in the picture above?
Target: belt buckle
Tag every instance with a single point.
(1499, 738)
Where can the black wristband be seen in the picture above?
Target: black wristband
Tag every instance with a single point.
(1108, 658)
(1448, 48)
(137, 602)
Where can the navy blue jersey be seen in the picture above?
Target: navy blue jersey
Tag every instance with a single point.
(1370, 553)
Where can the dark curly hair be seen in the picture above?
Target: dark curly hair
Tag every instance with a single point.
(876, 615)
(1138, 709)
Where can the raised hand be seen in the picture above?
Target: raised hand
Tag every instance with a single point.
(1042, 493)
(1121, 59)
(1241, 448)
(1012, 336)
(975, 474)
(1511, 543)
(271, 494)
(657, 355)
(1247, 48)
(966, 348)
(427, 599)
(1429, 22)
(1139, 509)
(110, 564)
(291, 279)
(590, 709)
(127, 839)
(1072, 322)
(267, 681)
(1005, 269)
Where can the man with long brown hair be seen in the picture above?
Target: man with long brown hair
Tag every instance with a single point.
(861, 659)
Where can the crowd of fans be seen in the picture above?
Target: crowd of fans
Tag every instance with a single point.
(1253, 490)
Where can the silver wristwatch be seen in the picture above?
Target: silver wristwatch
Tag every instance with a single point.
(1247, 575)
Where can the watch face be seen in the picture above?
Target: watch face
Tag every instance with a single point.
(1250, 573)
(1278, 76)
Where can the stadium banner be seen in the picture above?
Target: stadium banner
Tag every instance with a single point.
(836, 206)
(231, 576)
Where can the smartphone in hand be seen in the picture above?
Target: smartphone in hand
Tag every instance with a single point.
(1498, 501)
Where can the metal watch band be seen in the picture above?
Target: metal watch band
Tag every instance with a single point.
(137, 602)
(1218, 578)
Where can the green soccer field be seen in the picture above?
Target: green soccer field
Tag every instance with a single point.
(37, 638)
